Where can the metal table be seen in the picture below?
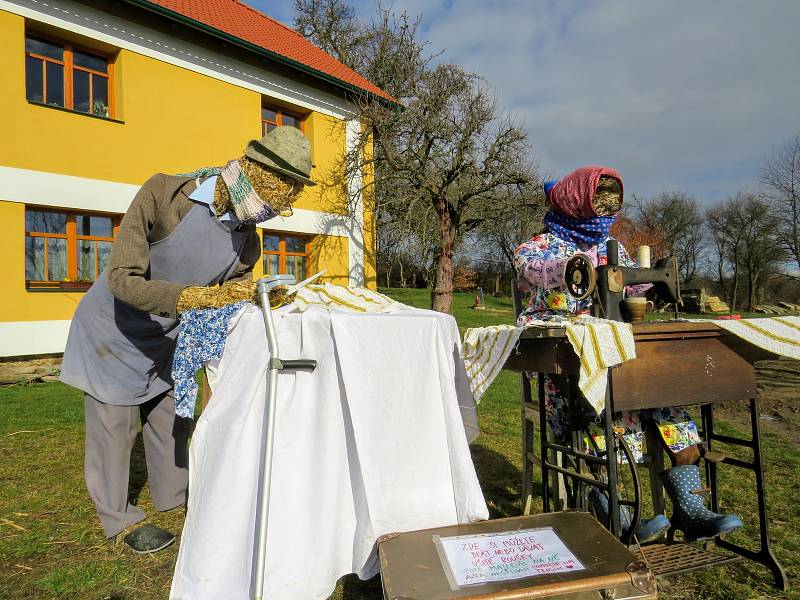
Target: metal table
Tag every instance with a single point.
(677, 364)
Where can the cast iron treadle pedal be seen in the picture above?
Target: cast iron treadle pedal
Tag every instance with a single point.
(672, 559)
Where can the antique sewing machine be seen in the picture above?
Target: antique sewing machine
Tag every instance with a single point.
(606, 283)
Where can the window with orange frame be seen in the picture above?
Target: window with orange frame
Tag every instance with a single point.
(66, 249)
(58, 73)
(286, 254)
(272, 117)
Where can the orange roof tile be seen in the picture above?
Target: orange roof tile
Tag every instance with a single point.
(246, 23)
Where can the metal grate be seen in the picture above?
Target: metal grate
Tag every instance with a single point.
(672, 559)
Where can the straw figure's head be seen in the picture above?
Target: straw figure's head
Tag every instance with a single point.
(586, 193)
(277, 168)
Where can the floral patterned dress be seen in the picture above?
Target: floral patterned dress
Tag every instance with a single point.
(541, 264)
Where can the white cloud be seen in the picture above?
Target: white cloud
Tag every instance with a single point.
(683, 94)
(676, 95)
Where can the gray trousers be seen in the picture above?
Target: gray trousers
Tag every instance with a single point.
(110, 435)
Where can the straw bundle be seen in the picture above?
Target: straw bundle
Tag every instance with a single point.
(217, 296)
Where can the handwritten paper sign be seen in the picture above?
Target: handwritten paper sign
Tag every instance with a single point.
(473, 559)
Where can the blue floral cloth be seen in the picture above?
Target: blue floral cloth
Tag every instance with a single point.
(201, 338)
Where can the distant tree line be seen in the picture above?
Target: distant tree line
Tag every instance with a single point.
(746, 247)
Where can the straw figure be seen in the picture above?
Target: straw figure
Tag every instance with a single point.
(186, 242)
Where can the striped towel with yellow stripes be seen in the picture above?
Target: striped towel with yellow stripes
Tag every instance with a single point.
(351, 299)
(485, 350)
(779, 335)
(600, 344)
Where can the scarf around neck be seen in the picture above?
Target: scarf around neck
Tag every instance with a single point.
(248, 206)
(591, 230)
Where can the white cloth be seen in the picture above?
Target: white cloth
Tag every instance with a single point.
(599, 343)
(485, 351)
(369, 443)
(350, 299)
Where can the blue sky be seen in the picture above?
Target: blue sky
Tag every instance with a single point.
(679, 95)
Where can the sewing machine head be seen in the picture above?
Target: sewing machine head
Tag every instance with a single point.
(606, 283)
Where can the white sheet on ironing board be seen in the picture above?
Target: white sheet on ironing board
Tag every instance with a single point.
(368, 444)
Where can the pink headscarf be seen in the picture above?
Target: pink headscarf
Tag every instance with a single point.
(572, 196)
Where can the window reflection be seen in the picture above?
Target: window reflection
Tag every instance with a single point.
(294, 244)
(58, 74)
(45, 222)
(66, 246)
(286, 254)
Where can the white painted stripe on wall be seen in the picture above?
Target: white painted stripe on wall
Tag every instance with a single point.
(355, 225)
(64, 191)
(22, 338)
(111, 29)
(310, 221)
(81, 193)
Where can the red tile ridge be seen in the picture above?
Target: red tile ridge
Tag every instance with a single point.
(299, 48)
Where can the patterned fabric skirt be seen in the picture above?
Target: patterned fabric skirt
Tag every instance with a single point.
(677, 428)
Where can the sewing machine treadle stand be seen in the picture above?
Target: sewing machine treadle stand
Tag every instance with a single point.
(677, 364)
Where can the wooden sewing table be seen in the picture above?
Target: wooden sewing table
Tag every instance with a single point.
(677, 364)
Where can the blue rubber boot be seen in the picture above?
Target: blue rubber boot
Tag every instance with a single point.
(689, 513)
(648, 529)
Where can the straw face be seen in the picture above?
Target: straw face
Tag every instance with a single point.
(608, 197)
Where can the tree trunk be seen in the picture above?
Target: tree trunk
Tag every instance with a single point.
(442, 292)
(752, 291)
(389, 274)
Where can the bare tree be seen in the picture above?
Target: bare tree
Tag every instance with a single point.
(499, 237)
(675, 219)
(332, 25)
(761, 254)
(522, 219)
(446, 155)
(407, 246)
(723, 224)
(385, 50)
(745, 242)
(780, 177)
(449, 150)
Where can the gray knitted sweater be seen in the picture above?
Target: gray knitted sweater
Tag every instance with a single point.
(161, 203)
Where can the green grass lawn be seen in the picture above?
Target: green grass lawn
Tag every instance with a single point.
(51, 544)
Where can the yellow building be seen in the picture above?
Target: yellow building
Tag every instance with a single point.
(98, 96)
